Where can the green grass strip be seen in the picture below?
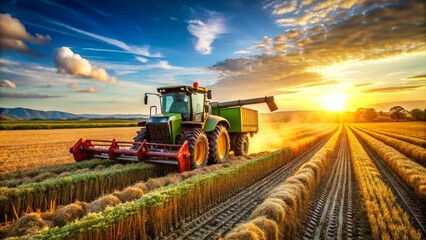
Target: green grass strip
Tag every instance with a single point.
(64, 190)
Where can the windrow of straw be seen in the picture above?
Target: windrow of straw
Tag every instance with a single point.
(154, 214)
(387, 219)
(414, 140)
(73, 211)
(286, 204)
(12, 179)
(414, 152)
(413, 174)
(64, 190)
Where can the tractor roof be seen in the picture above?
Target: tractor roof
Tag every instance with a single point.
(182, 89)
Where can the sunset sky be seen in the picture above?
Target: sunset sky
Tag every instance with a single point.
(102, 56)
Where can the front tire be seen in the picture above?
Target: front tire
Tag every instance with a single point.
(218, 145)
(141, 136)
(198, 146)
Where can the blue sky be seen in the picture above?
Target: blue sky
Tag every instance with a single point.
(101, 56)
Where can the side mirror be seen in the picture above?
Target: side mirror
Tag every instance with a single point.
(209, 94)
(145, 99)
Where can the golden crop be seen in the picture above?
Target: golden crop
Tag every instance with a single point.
(387, 219)
(411, 172)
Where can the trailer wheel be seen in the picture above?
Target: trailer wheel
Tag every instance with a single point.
(241, 144)
(198, 146)
(218, 145)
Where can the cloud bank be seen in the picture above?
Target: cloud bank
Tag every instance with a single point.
(13, 36)
(353, 31)
(67, 62)
(206, 32)
(25, 95)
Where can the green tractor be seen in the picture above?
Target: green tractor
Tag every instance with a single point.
(190, 131)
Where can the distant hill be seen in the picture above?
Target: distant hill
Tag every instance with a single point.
(28, 114)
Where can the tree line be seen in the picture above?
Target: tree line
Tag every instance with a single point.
(397, 112)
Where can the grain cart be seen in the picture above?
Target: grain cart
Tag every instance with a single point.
(190, 132)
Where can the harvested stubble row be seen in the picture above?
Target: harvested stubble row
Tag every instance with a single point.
(414, 140)
(152, 215)
(13, 179)
(387, 219)
(414, 152)
(286, 204)
(64, 190)
(413, 174)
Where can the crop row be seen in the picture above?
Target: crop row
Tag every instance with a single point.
(156, 212)
(13, 179)
(414, 152)
(413, 174)
(414, 140)
(278, 216)
(412, 129)
(64, 190)
(387, 219)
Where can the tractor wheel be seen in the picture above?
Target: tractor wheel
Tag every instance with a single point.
(218, 145)
(241, 144)
(198, 146)
(141, 135)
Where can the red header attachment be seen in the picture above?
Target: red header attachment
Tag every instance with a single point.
(195, 85)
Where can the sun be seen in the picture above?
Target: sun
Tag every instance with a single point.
(334, 101)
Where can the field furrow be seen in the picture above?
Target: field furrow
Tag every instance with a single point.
(330, 214)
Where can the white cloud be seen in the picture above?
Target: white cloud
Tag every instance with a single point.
(142, 59)
(87, 90)
(137, 50)
(13, 35)
(7, 84)
(284, 7)
(206, 32)
(67, 62)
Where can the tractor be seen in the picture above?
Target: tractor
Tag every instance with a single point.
(190, 132)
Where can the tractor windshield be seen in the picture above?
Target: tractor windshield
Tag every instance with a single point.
(176, 102)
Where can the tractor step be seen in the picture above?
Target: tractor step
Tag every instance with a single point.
(174, 154)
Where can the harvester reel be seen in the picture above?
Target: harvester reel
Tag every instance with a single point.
(240, 144)
(219, 145)
(198, 147)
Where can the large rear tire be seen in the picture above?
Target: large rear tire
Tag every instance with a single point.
(241, 144)
(219, 145)
(198, 146)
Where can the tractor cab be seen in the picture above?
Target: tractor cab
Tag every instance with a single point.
(189, 101)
